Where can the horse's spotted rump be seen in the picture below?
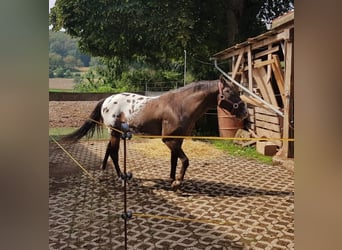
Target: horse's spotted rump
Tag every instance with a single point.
(124, 103)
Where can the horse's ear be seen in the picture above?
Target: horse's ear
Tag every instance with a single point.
(226, 83)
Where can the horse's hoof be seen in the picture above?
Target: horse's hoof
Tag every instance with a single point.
(171, 180)
(102, 176)
(176, 185)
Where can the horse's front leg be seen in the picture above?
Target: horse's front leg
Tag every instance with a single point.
(174, 159)
(185, 163)
(175, 145)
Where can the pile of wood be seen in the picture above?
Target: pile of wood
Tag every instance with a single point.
(264, 65)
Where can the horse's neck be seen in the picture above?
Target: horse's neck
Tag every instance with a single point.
(203, 99)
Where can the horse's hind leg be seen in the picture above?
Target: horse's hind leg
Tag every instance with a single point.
(113, 151)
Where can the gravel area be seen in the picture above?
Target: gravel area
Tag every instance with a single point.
(69, 113)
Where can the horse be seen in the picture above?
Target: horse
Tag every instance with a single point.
(173, 113)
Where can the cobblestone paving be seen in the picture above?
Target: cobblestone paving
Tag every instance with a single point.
(226, 203)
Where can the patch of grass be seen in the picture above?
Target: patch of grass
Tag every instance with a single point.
(246, 152)
(61, 90)
(57, 133)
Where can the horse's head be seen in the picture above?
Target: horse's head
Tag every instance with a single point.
(229, 99)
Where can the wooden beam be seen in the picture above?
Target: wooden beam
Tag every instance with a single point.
(283, 153)
(253, 101)
(265, 86)
(269, 73)
(255, 43)
(267, 125)
(261, 110)
(249, 66)
(287, 19)
(278, 74)
(284, 35)
(269, 134)
(267, 118)
(266, 52)
(259, 63)
(237, 64)
(235, 50)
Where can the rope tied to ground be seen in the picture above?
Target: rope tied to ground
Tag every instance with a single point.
(72, 158)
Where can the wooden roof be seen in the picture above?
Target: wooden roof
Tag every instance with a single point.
(279, 31)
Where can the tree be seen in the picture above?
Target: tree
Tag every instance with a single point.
(64, 54)
(157, 32)
(272, 9)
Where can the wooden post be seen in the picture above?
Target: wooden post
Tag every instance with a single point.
(269, 72)
(250, 72)
(237, 64)
(288, 89)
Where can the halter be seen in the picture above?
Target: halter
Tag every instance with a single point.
(221, 98)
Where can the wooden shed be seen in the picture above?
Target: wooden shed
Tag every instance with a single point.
(263, 68)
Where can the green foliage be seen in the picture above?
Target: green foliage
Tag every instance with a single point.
(64, 55)
(154, 34)
(271, 9)
(103, 78)
(91, 82)
(247, 152)
(157, 31)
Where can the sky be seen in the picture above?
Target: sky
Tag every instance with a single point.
(51, 3)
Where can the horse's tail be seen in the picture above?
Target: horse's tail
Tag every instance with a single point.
(89, 126)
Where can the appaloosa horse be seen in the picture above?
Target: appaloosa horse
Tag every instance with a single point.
(173, 113)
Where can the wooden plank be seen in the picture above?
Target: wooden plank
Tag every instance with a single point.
(267, 125)
(259, 79)
(255, 43)
(287, 18)
(266, 52)
(237, 64)
(265, 87)
(270, 119)
(249, 68)
(283, 35)
(265, 111)
(269, 69)
(251, 118)
(251, 100)
(278, 74)
(256, 103)
(251, 111)
(269, 134)
(259, 63)
(288, 86)
(266, 148)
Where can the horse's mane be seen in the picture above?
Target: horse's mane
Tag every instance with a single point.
(193, 87)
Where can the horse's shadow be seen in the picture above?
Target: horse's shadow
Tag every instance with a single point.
(214, 189)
